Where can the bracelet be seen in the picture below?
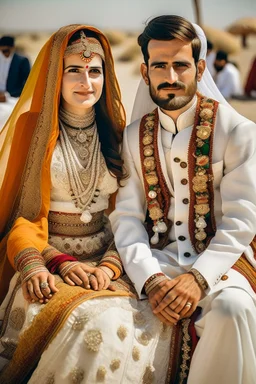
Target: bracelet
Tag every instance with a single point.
(107, 271)
(68, 265)
(153, 280)
(199, 278)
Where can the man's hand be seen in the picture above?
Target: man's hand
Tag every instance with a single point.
(170, 298)
(33, 288)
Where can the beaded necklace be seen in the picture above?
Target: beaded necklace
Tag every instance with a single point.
(83, 180)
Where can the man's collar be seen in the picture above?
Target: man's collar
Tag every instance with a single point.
(185, 120)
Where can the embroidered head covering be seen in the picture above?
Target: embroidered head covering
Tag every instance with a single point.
(87, 47)
(27, 142)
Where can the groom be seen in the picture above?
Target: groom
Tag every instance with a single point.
(185, 220)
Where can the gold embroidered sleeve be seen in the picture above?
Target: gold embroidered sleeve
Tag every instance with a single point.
(112, 260)
(29, 262)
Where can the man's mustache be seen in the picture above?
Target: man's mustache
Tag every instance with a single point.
(177, 84)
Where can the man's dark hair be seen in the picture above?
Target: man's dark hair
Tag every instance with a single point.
(209, 44)
(221, 55)
(7, 41)
(169, 27)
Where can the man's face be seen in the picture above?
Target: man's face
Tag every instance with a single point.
(171, 73)
(6, 51)
(219, 65)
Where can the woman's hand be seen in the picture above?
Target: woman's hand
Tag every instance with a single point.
(89, 277)
(39, 287)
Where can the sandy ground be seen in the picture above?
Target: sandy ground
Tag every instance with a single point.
(128, 71)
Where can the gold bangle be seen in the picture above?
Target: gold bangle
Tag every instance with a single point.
(199, 278)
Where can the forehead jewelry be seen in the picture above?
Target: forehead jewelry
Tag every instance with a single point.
(87, 47)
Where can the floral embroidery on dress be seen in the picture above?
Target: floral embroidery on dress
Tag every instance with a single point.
(17, 318)
(93, 339)
(80, 321)
(144, 338)
(77, 375)
(135, 353)
(149, 376)
(139, 318)
(101, 373)
(122, 332)
(115, 364)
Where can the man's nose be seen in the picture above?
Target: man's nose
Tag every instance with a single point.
(172, 75)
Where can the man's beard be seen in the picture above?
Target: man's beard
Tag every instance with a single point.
(218, 68)
(173, 102)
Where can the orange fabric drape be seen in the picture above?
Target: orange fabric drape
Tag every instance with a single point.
(27, 142)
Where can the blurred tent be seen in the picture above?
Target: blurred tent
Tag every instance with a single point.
(243, 27)
(115, 37)
(222, 40)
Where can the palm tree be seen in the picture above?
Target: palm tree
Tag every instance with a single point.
(197, 8)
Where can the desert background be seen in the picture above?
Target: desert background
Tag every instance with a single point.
(33, 21)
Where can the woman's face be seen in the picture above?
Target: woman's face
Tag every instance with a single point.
(82, 83)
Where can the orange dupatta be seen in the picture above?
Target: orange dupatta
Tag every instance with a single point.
(27, 142)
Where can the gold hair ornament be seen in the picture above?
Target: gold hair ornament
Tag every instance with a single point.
(87, 47)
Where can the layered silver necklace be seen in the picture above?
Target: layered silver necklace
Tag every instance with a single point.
(79, 140)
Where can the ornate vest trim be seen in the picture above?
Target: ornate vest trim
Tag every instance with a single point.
(201, 213)
(156, 190)
(202, 225)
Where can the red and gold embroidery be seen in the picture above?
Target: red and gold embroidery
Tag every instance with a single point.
(202, 223)
(201, 218)
(157, 192)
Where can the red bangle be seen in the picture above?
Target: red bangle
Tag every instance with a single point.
(55, 262)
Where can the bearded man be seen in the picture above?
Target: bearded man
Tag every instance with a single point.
(185, 221)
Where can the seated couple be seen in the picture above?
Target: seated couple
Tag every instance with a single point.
(170, 298)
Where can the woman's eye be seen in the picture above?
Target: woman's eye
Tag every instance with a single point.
(73, 70)
(95, 70)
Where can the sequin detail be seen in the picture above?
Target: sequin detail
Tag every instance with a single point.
(93, 339)
(139, 318)
(79, 323)
(135, 353)
(144, 338)
(149, 376)
(101, 373)
(115, 364)
(17, 318)
(77, 375)
(122, 332)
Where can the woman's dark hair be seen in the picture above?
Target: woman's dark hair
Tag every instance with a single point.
(109, 137)
(169, 27)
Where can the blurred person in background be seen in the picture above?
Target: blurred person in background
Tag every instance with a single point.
(14, 71)
(227, 76)
(210, 57)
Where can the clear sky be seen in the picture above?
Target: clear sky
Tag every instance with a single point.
(49, 15)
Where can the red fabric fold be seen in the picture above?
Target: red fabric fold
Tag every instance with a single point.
(53, 264)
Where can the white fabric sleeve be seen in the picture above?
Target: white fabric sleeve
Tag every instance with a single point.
(238, 194)
(127, 223)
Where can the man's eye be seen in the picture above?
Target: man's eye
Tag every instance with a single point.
(181, 65)
(160, 66)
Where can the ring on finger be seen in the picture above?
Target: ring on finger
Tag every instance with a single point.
(44, 285)
(188, 304)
